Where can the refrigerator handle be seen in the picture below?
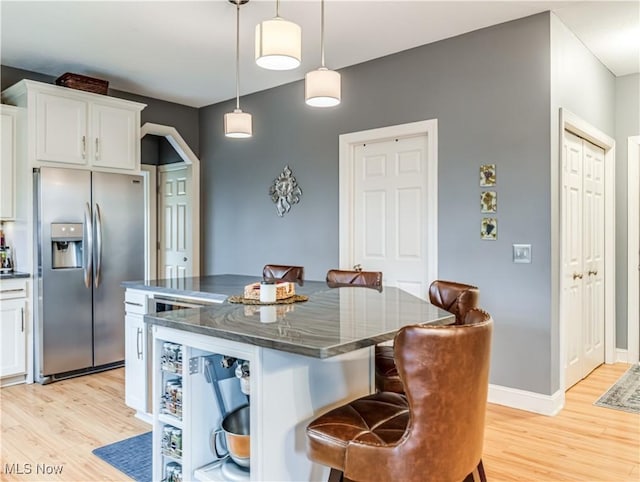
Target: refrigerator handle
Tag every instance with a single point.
(98, 224)
(87, 252)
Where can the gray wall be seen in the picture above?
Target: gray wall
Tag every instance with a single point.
(584, 86)
(490, 92)
(183, 118)
(627, 125)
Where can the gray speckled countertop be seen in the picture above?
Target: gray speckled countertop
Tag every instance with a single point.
(331, 322)
(14, 275)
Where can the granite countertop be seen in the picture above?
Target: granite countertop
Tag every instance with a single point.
(214, 288)
(14, 275)
(331, 322)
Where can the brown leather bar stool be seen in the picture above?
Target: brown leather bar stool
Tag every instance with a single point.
(435, 431)
(456, 298)
(338, 278)
(278, 272)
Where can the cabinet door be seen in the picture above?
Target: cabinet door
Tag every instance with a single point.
(114, 140)
(7, 165)
(12, 337)
(61, 129)
(135, 363)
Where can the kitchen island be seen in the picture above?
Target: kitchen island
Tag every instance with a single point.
(304, 359)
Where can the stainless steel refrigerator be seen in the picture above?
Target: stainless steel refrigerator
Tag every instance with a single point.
(89, 238)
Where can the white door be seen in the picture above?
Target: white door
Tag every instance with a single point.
(593, 256)
(174, 223)
(390, 211)
(582, 256)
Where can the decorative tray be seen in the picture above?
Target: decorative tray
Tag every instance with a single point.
(251, 301)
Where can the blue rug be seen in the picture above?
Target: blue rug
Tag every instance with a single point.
(132, 456)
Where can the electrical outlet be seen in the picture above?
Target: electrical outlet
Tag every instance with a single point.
(522, 253)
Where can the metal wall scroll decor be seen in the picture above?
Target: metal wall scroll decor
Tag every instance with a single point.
(285, 191)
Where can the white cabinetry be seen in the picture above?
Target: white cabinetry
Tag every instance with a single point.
(186, 411)
(13, 330)
(8, 119)
(61, 129)
(78, 129)
(135, 353)
(287, 391)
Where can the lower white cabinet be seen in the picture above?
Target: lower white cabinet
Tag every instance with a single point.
(13, 338)
(13, 330)
(135, 355)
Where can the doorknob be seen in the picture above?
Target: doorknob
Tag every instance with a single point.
(577, 275)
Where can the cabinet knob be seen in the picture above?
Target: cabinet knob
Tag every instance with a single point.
(97, 154)
(577, 275)
(592, 273)
(84, 147)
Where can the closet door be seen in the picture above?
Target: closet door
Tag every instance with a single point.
(593, 257)
(582, 256)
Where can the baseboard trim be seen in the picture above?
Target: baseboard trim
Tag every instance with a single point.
(622, 355)
(524, 400)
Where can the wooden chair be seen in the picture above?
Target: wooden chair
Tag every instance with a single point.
(338, 278)
(277, 272)
(434, 432)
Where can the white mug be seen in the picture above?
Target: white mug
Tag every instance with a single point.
(267, 292)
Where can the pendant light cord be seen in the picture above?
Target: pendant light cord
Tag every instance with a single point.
(322, 33)
(237, 54)
(277, 8)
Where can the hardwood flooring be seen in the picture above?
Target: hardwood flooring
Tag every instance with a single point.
(58, 425)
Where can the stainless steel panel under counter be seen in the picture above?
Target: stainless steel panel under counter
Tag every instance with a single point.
(331, 322)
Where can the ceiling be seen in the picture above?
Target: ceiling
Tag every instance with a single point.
(184, 51)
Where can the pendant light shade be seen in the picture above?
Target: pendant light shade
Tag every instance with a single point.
(237, 124)
(278, 43)
(322, 86)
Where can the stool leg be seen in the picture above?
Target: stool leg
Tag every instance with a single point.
(480, 469)
(477, 475)
(335, 475)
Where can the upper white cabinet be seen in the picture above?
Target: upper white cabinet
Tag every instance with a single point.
(61, 129)
(116, 137)
(8, 119)
(76, 128)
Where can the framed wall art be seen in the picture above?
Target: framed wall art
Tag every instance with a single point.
(489, 229)
(488, 175)
(488, 202)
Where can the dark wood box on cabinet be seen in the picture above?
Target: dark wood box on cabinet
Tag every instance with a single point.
(82, 82)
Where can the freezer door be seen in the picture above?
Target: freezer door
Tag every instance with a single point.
(63, 315)
(118, 219)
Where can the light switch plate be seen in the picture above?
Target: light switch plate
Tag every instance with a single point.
(522, 253)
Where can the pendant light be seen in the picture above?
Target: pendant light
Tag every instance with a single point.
(237, 123)
(322, 86)
(278, 43)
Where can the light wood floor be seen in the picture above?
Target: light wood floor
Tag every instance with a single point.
(59, 424)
